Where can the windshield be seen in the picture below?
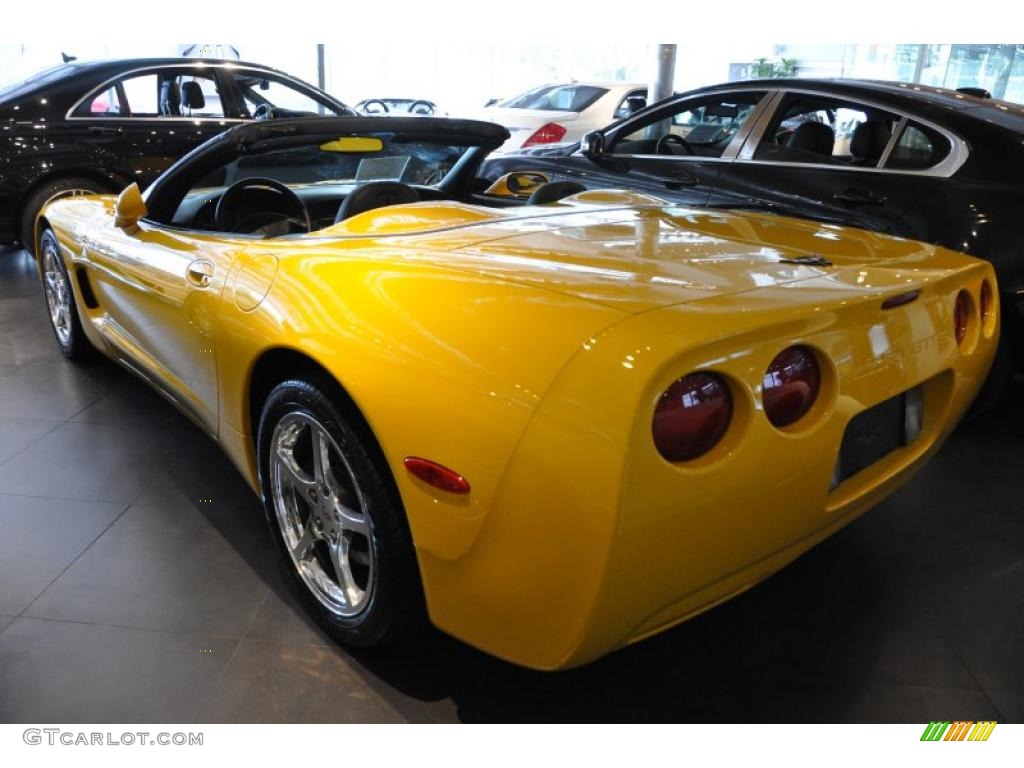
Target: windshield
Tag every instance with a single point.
(15, 88)
(411, 162)
(557, 98)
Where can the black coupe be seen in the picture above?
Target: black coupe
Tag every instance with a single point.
(98, 126)
(916, 161)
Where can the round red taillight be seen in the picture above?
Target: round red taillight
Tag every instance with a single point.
(985, 302)
(692, 416)
(961, 316)
(790, 385)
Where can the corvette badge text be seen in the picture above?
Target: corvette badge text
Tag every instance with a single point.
(961, 730)
(57, 737)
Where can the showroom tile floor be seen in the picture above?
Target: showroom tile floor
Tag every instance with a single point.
(124, 597)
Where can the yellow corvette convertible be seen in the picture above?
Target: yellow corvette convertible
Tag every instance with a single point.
(553, 426)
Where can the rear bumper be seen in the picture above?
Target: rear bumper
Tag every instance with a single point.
(596, 541)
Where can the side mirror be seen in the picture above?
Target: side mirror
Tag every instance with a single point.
(593, 144)
(130, 208)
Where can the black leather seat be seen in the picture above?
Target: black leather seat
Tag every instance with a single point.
(192, 95)
(813, 137)
(375, 194)
(170, 99)
(554, 191)
(868, 142)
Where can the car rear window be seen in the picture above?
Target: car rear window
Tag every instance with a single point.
(557, 98)
(918, 148)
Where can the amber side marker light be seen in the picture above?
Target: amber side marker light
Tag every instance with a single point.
(961, 316)
(900, 299)
(432, 473)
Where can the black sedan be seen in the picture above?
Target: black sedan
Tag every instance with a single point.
(98, 126)
(911, 160)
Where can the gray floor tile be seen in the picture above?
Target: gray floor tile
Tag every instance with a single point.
(166, 568)
(268, 682)
(282, 620)
(40, 538)
(5, 621)
(84, 673)
(55, 391)
(18, 434)
(100, 462)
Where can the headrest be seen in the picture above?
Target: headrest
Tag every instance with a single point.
(192, 95)
(869, 140)
(375, 194)
(813, 137)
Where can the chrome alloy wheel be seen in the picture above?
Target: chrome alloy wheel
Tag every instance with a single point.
(58, 292)
(322, 515)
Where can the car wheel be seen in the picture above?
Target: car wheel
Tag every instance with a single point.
(60, 301)
(47, 193)
(336, 515)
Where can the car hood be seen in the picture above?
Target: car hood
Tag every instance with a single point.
(642, 257)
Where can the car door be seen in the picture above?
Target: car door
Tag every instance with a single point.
(148, 118)
(829, 158)
(674, 151)
(159, 288)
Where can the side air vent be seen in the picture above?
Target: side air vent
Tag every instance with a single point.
(82, 275)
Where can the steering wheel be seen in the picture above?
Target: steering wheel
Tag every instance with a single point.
(269, 202)
(428, 108)
(265, 112)
(383, 107)
(671, 138)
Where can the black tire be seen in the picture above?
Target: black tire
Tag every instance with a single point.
(70, 336)
(43, 194)
(395, 605)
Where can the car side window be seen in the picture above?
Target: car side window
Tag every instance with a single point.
(701, 127)
(259, 89)
(824, 130)
(918, 148)
(172, 94)
(631, 103)
(106, 103)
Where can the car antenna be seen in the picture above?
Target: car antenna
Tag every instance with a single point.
(67, 59)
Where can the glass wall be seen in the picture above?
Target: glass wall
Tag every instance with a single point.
(998, 69)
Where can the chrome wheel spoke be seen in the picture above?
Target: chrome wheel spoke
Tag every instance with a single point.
(303, 549)
(294, 476)
(350, 520)
(343, 570)
(321, 456)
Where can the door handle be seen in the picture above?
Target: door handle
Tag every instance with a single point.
(107, 130)
(856, 196)
(680, 179)
(199, 273)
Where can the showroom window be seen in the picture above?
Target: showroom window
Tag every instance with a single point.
(702, 127)
(817, 129)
